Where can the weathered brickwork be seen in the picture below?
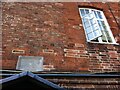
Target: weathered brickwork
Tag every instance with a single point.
(55, 31)
(87, 83)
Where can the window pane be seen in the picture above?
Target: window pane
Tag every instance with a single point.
(82, 12)
(87, 24)
(99, 15)
(95, 26)
(90, 36)
(109, 39)
(104, 39)
(86, 11)
(92, 21)
(107, 34)
(100, 25)
(95, 14)
(103, 25)
(88, 30)
(99, 22)
(85, 20)
(102, 32)
(97, 33)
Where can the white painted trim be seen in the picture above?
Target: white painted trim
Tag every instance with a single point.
(104, 43)
(106, 23)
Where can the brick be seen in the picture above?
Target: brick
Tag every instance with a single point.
(59, 4)
(76, 27)
(18, 51)
(110, 47)
(69, 55)
(79, 45)
(8, 64)
(48, 51)
(71, 51)
(48, 22)
(83, 69)
(113, 54)
(117, 39)
(84, 56)
(102, 53)
(71, 45)
(48, 67)
(82, 52)
(55, 31)
(93, 55)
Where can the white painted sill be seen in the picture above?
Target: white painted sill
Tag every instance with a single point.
(104, 43)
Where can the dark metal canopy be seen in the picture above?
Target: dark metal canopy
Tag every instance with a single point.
(28, 81)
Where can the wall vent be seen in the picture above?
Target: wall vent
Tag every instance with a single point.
(30, 63)
(17, 51)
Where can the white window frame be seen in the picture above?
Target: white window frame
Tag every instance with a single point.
(106, 25)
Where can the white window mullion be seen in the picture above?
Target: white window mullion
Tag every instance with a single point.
(99, 39)
(93, 26)
(103, 30)
(86, 28)
(105, 36)
(108, 28)
(91, 29)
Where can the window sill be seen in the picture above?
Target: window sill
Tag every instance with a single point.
(105, 43)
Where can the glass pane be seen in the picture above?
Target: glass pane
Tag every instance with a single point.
(99, 23)
(107, 34)
(102, 22)
(91, 16)
(102, 32)
(101, 28)
(88, 30)
(95, 26)
(85, 20)
(99, 15)
(87, 24)
(109, 39)
(82, 12)
(90, 36)
(95, 14)
(97, 33)
(86, 11)
(104, 39)
(103, 25)
(92, 21)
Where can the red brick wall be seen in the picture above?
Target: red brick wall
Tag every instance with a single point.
(55, 31)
